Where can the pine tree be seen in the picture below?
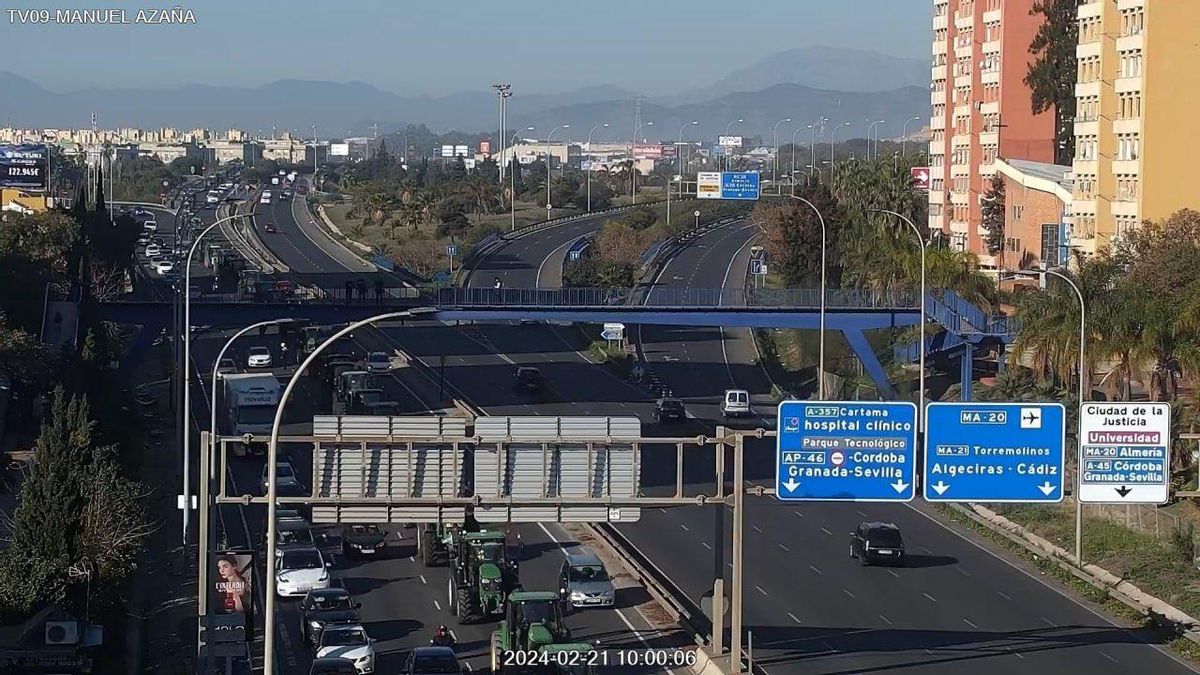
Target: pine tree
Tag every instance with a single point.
(1051, 77)
(992, 210)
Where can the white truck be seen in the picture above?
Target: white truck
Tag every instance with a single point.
(249, 405)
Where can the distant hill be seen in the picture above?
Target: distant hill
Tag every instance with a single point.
(832, 68)
(339, 107)
(760, 110)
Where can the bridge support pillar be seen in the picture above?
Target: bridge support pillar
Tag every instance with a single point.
(965, 374)
(862, 349)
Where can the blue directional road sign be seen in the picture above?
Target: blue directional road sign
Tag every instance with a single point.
(451, 250)
(739, 185)
(846, 451)
(758, 267)
(994, 452)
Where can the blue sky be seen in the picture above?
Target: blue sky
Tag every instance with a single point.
(442, 46)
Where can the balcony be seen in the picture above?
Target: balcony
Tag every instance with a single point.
(1128, 42)
(939, 47)
(938, 73)
(960, 198)
(936, 197)
(1127, 85)
(936, 172)
(937, 122)
(989, 137)
(991, 16)
(1129, 126)
(1087, 49)
(1087, 128)
(1125, 207)
(941, 22)
(962, 110)
(1088, 89)
(989, 107)
(1083, 206)
(1132, 167)
(1123, 5)
(990, 77)
(960, 227)
(937, 98)
(964, 22)
(964, 51)
(1090, 10)
(962, 80)
(991, 47)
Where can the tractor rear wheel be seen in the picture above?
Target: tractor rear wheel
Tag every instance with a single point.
(464, 605)
(428, 546)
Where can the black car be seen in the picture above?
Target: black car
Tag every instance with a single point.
(362, 539)
(529, 380)
(332, 665)
(325, 607)
(431, 661)
(669, 410)
(877, 543)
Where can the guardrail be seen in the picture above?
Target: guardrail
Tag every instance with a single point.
(676, 298)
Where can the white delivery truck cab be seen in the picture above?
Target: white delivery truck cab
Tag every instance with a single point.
(249, 406)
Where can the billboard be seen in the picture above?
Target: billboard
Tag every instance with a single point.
(455, 151)
(24, 166)
(648, 151)
(339, 149)
(708, 185)
(485, 147)
(231, 595)
(729, 141)
(920, 177)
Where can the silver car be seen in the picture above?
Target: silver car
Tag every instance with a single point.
(583, 581)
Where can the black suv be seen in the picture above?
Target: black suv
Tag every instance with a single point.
(874, 543)
(362, 539)
(669, 410)
(324, 607)
(529, 379)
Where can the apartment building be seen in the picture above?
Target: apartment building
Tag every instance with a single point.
(981, 109)
(1136, 99)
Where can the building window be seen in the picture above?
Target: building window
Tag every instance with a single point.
(1085, 148)
(1017, 211)
(1127, 187)
(1131, 63)
(1129, 105)
(935, 210)
(1129, 147)
(1133, 21)
(1051, 245)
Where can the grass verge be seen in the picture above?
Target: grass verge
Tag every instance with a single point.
(614, 358)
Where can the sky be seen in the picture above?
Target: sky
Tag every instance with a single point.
(437, 47)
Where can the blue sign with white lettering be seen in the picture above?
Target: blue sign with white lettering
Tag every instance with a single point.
(846, 451)
(739, 185)
(451, 250)
(994, 452)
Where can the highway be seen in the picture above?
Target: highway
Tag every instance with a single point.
(958, 605)
(403, 601)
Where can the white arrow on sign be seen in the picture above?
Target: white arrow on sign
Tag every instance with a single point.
(791, 485)
(899, 486)
(923, 176)
(940, 487)
(1047, 488)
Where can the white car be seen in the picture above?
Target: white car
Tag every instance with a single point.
(300, 569)
(153, 250)
(285, 475)
(259, 357)
(348, 641)
(213, 197)
(378, 362)
(265, 199)
(736, 403)
(163, 267)
(150, 225)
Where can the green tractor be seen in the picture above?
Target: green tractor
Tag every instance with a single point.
(481, 575)
(533, 623)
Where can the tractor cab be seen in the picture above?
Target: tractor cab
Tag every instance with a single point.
(482, 574)
(533, 622)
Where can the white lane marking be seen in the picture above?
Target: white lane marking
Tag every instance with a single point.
(1109, 657)
(705, 544)
(885, 619)
(466, 664)
(684, 527)
(1003, 595)
(636, 632)
(793, 617)
(721, 296)
(894, 573)
(861, 513)
(760, 590)
(962, 571)
(757, 529)
(847, 592)
(826, 531)
(1048, 622)
(814, 569)
(968, 622)
(785, 548)
(537, 281)
(828, 646)
(438, 605)
(798, 513)
(422, 578)
(931, 598)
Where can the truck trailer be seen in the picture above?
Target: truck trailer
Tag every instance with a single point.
(250, 400)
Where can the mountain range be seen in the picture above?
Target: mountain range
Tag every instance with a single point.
(841, 84)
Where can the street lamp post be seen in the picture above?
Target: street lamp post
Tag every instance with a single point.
(904, 134)
(793, 174)
(633, 168)
(821, 348)
(869, 128)
(727, 153)
(202, 577)
(512, 178)
(832, 144)
(678, 152)
(812, 144)
(1080, 394)
(921, 378)
(187, 371)
(775, 146)
(272, 482)
(589, 171)
(549, 163)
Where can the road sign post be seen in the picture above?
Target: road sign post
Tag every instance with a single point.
(1125, 453)
(846, 451)
(994, 452)
(451, 251)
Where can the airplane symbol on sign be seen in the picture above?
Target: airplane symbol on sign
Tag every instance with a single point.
(1031, 418)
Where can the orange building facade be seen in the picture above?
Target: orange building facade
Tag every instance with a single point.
(981, 110)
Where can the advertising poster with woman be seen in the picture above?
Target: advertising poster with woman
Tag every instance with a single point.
(233, 585)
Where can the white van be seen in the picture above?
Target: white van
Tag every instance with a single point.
(150, 225)
(736, 403)
(265, 198)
